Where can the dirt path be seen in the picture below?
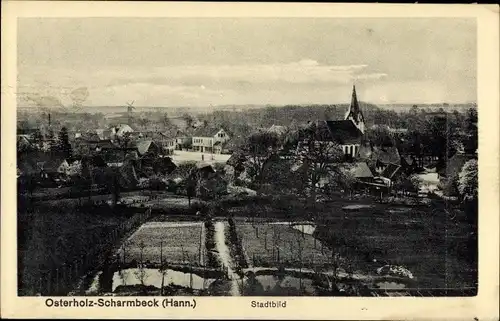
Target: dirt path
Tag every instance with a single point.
(225, 257)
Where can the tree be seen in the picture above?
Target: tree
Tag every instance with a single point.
(259, 147)
(63, 144)
(347, 181)
(321, 160)
(379, 136)
(467, 180)
(188, 119)
(406, 183)
(470, 137)
(166, 121)
(141, 274)
(144, 122)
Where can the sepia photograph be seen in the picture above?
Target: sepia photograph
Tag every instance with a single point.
(267, 157)
(247, 157)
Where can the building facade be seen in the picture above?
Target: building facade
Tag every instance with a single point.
(206, 140)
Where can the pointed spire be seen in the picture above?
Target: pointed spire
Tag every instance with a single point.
(354, 112)
(354, 101)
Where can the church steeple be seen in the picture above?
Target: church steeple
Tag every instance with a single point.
(354, 113)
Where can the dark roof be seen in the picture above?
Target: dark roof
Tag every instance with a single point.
(114, 155)
(141, 146)
(390, 171)
(344, 131)
(385, 155)
(103, 144)
(33, 162)
(206, 131)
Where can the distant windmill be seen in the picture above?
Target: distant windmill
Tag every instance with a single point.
(130, 109)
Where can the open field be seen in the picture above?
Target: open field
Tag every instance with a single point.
(428, 242)
(278, 242)
(185, 156)
(180, 242)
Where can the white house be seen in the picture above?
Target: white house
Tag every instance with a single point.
(207, 140)
(121, 130)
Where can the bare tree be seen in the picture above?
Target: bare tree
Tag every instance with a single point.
(258, 149)
(141, 273)
(321, 160)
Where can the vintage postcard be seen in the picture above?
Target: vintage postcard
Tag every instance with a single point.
(250, 160)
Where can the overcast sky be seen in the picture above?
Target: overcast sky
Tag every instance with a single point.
(213, 61)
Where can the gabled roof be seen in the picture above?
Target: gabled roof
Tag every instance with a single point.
(361, 170)
(206, 131)
(143, 146)
(103, 144)
(23, 141)
(390, 171)
(35, 161)
(344, 131)
(123, 128)
(280, 130)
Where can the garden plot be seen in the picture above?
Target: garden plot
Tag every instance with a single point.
(269, 244)
(179, 242)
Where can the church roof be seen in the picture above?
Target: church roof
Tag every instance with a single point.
(344, 131)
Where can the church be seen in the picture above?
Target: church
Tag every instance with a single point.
(348, 133)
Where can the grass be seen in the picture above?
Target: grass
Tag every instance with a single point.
(50, 236)
(436, 246)
(426, 243)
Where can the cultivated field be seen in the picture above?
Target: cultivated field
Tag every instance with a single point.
(269, 244)
(180, 242)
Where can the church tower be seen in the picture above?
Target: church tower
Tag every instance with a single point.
(354, 113)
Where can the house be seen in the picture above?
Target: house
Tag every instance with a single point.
(183, 142)
(24, 143)
(104, 133)
(391, 172)
(205, 138)
(361, 171)
(120, 130)
(147, 147)
(165, 140)
(379, 157)
(278, 130)
(42, 165)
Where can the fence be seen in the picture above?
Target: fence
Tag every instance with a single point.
(64, 278)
